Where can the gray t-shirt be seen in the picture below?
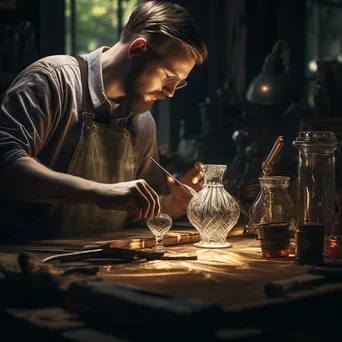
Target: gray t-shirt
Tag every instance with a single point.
(41, 117)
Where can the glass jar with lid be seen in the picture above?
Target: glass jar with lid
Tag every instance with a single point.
(315, 194)
(273, 216)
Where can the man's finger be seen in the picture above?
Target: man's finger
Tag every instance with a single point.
(145, 200)
(170, 180)
(157, 206)
(149, 194)
(198, 166)
(197, 177)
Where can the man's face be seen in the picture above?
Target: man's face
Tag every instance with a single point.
(144, 80)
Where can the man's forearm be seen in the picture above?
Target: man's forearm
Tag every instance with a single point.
(170, 206)
(27, 180)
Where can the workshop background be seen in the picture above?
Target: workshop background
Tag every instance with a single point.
(268, 60)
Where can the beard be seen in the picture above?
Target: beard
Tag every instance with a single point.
(133, 104)
(134, 90)
(137, 104)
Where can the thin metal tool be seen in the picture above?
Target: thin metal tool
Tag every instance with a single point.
(267, 164)
(175, 179)
(105, 251)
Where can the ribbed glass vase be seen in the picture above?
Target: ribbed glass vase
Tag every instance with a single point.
(213, 211)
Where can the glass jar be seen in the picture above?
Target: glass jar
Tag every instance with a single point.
(315, 194)
(213, 211)
(273, 216)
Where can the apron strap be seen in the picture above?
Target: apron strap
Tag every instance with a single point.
(88, 109)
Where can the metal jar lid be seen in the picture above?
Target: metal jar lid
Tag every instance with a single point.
(322, 139)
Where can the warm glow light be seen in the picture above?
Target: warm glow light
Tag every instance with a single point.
(333, 244)
(211, 264)
(312, 66)
(265, 88)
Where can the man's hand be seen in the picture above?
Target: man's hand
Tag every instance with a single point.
(135, 196)
(192, 180)
(27, 180)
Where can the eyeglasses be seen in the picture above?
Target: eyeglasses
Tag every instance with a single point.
(170, 80)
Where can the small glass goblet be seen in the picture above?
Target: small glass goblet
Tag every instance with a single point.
(159, 226)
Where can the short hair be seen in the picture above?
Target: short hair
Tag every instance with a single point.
(162, 18)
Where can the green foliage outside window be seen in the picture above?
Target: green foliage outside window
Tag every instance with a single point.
(97, 23)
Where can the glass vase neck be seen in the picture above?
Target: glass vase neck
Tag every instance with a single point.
(274, 182)
(213, 174)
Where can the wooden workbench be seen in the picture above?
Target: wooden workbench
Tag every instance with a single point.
(232, 278)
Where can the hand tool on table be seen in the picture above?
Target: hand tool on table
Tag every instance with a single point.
(126, 255)
(50, 250)
(29, 266)
(105, 251)
(174, 178)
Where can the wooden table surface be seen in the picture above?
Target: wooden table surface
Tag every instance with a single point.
(234, 278)
(228, 276)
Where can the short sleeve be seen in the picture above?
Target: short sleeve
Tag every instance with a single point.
(27, 114)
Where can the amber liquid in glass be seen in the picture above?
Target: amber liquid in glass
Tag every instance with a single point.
(310, 244)
(333, 247)
(275, 239)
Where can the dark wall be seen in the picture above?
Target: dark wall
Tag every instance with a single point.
(184, 105)
(272, 20)
(221, 24)
(260, 24)
(47, 17)
(52, 33)
(28, 10)
(238, 48)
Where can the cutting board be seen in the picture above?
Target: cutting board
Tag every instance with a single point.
(140, 237)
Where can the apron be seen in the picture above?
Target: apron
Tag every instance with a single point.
(104, 154)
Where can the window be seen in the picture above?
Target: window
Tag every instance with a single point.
(94, 23)
(324, 36)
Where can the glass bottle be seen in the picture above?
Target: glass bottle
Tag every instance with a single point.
(315, 194)
(273, 216)
(213, 211)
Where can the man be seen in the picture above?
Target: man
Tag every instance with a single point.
(76, 134)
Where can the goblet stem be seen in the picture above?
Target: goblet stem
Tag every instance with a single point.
(159, 242)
